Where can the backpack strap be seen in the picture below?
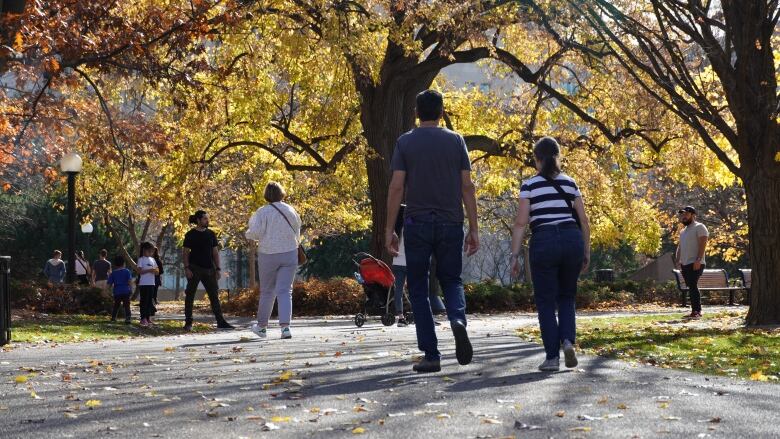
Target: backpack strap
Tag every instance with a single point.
(565, 196)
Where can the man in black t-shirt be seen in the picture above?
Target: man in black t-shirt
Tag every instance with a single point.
(201, 265)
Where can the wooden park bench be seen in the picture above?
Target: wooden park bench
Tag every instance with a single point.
(711, 280)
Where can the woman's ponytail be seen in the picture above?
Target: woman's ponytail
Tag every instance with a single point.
(548, 154)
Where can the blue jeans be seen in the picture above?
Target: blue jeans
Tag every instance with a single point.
(425, 237)
(556, 257)
(399, 271)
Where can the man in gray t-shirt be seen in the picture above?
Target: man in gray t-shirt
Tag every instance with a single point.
(690, 255)
(433, 158)
(432, 166)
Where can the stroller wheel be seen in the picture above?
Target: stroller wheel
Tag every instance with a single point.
(409, 317)
(360, 319)
(388, 319)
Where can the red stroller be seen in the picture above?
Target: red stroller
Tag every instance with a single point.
(378, 284)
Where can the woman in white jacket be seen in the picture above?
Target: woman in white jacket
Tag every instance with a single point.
(276, 227)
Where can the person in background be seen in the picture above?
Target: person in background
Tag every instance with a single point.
(54, 269)
(120, 280)
(147, 270)
(277, 229)
(200, 253)
(101, 268)
(83, 271)
(157, 279)
(689, 256)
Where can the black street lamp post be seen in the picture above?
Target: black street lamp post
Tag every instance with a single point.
(71, 165)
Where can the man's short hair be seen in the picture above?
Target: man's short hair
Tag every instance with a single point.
(430, 105)
(104, 253)
(119, 261)
(57, 253)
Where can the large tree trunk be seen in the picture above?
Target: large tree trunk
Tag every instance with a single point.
(763, 200)
(387, 113)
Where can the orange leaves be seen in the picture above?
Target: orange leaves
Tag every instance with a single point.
(18, 42)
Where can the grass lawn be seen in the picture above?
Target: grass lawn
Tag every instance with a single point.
(718, 344)
(72, 328)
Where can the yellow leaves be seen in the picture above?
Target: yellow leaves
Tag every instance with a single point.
(359, 430)
(21, 379)
(281, 419)
(93, 403)
(758, 376)
(18, 42)
(777, 157)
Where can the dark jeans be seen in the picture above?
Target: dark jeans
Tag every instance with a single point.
(691, 277)
(556, 257)
(209, 279)
(425, 237)
(83, 279)
(147, 296)
(123, 301)
(399, 271)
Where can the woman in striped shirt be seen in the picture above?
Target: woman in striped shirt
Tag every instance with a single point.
(559, 249)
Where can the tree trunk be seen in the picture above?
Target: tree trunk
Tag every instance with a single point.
(388, 111)
(763, 200)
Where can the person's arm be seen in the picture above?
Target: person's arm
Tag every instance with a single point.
(677, 262)
(700, 253)
(63, 271)
(215, 257)
(518, 233)
(92, 275)
(469, 194)
(185, 256)
(579, 206)
(394, 196)
(253, 230)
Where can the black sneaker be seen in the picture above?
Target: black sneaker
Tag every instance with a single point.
(188, 327)
(427, 366)
(463, 350)
(402, 322)
(225, 325)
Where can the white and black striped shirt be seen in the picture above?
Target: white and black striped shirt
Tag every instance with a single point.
(547, 205)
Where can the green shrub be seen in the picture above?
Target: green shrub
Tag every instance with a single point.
(63, 299)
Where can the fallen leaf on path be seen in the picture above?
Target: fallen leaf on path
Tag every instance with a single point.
(443, 416)
(491, 421)
(20, 379)
(560, 414)
(280, 419)
(580, 429)
(523, 426)
(622, 406)
(92, 403)
(359, 430)
(671, 418)
(269, 426)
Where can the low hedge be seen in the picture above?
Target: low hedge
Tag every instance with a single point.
(62, 299)
(340, 296)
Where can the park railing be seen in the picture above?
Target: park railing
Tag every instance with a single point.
(5, 300)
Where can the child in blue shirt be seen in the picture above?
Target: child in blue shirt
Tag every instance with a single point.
(121, 279)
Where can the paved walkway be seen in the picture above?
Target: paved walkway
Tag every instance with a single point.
(333, 379)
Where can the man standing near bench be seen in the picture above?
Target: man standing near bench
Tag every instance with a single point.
(690, 256)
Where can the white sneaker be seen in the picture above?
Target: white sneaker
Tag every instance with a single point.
(260, 332)
(551, 365)
(570, 357)
(286, 332)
